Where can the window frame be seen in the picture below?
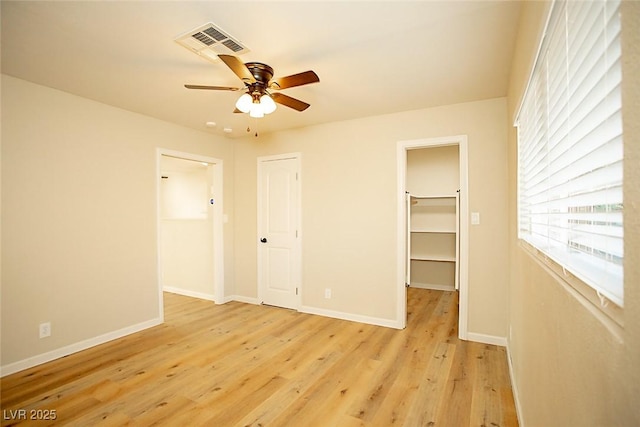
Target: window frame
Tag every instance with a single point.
(579, 287)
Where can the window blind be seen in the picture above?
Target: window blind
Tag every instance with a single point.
(570, 152)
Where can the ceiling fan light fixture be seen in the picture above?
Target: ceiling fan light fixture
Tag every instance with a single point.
(244, 103)
(267, 103)
(257, 111)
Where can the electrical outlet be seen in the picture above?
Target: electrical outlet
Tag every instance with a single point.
(327, 293)
(45, 330)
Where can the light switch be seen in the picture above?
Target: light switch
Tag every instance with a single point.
(475, 218)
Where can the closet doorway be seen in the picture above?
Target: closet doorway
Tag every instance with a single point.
(190, 218)
(432, 228)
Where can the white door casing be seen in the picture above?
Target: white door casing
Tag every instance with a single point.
(278, 237)
(407, 255)
(462, 230)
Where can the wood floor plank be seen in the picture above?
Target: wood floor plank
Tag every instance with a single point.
(331, 387)
(245, 365)
(271, 408)
(334, 409)
(378, 386)
(459, 389)
(426, 327)
(431, 390)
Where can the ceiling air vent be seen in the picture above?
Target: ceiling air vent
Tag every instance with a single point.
(209, 41)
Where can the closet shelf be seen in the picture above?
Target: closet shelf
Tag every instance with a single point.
(443, 258)
(433, 241)
(433, 196)
(439, 200)
(433, 230)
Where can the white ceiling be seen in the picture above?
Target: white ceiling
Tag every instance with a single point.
(372, 57)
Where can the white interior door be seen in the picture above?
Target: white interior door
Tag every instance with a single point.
(278, 230)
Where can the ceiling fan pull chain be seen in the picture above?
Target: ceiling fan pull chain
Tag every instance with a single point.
(255, 121)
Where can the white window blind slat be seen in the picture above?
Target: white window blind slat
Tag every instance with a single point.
(573, 162)
(570, 152)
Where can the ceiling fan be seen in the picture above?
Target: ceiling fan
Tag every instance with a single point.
(258, 82)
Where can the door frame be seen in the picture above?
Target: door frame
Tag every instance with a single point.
(218, 221)
(259, 213)
(402, 148)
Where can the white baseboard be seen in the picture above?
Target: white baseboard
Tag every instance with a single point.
(328, 313)
(487, 339)
(210, 297)
(224, 300)
(188, 293)
(389, 323)
(30, 362)
(514, 388)
(240, 298)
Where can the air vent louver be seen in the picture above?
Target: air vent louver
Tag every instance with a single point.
(203, 38)
(232, 45)
(208, 41)
(215, 33)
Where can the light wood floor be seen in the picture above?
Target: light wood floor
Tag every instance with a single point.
(245, 365)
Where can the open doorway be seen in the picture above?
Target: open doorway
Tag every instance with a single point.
(432, 228)
(190, 218)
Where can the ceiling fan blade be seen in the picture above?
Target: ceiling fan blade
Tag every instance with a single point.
(238, 68)
(212, 87)
(294, 80)
(290, 102)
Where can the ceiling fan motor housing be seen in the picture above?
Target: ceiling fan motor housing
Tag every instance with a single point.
(263, 74)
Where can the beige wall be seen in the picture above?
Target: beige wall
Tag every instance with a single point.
(79, 208)
(570, 366)
(79, 233)
(349, 210)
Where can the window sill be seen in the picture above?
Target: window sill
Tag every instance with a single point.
(605, 311)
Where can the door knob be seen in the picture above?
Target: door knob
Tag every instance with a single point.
(263, 240)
